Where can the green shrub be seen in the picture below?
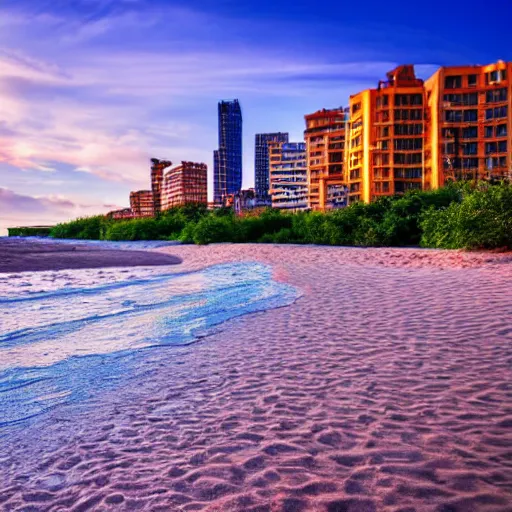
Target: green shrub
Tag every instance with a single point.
(85, 228)
(213, 229)
(482, 220)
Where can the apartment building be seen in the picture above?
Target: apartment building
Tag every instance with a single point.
(385, 147)
(470, 118)
(261, 161)
(185, 184)
(325, 142)
(141, 203)
(288, 175)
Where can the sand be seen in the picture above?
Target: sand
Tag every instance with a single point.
(386, 387)
(21, 255)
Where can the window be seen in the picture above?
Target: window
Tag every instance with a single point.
(381, 159)
(356, 108)
(470, 163)
(408, 129)
(450, 148)
(501, 130)
(471, 148)
(415, 114)
(384, 131)
(407, 158)
(453, 82)
(490, 147)
(413, 173)
(488, 131)
(472, 80)
(470, 133)
(502, 146)
(385, 186)
(381, 173)
(470, 116)
(496, 95)
(453, 116)
(382, 101)
(461, 99)
(407, 144)
(355, 175)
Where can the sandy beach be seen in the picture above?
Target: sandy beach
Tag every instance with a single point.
(20, 255)
(387, 386)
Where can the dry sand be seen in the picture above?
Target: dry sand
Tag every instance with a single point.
(19, 255)
(386, 387)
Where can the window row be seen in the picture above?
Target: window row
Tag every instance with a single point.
(462, 99)
(496, 95)
(413, 173)
(496, 147)
(408, 144)
(496, 112)
(407, 158)
(408, 99)
(408, 129)
(457, 116)
(496, 131)
(415, 114)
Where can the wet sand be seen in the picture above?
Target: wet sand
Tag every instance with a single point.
(19, 255)
(386, 387)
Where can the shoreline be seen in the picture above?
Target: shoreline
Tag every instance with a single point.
(24, 255)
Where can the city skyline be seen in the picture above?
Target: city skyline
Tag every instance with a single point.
(79, 124)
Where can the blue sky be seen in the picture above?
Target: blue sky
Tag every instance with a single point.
(91, 89)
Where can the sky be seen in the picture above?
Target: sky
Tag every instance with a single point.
(90, 90)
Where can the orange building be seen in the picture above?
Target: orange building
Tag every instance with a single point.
(385, 153)
(470, 113)
(141, 203)
(325, 142)
(185, 184)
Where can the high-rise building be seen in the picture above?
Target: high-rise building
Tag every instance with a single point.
(288, 175)
(157, 178)
(185, 184)
(385, 142)
(470, 123)
(261, 162)
(141, 203)
(227, 173)
(325, 143)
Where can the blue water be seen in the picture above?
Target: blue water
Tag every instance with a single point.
(73, 335)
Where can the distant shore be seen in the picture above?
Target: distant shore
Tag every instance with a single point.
(20, 255)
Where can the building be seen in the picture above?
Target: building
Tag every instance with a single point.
(261, 162)
(185, 184)
(325, 143)
(470, 117)
(227, 171)
(141, 203)
(288, 175)
(409, 135)
(385, 154)
(245, 200)
(123, 214)
(157, 178)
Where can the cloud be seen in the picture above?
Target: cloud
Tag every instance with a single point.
(102, 86)
(18, 208)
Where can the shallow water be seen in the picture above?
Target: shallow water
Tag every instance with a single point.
(68, 336)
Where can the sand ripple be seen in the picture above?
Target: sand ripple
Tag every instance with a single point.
(381, 389)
